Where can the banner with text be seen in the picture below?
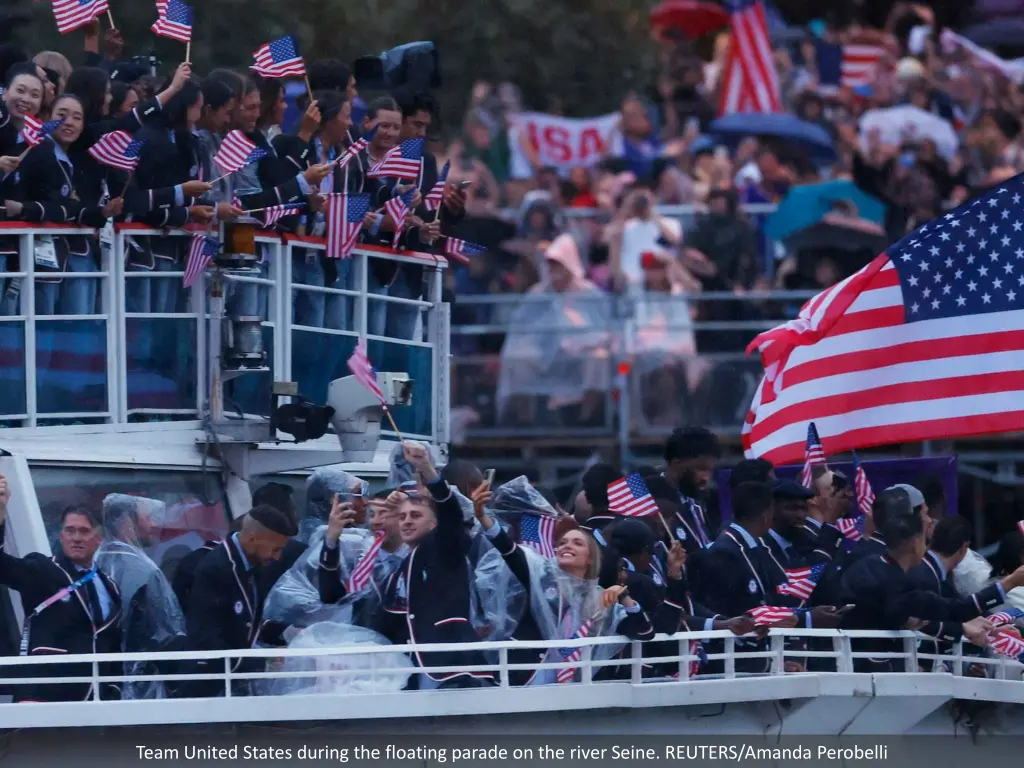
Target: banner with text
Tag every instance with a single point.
(564, 142)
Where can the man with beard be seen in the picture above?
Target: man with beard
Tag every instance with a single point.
(690, 456)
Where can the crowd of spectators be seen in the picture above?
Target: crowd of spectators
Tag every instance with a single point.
(665, 151)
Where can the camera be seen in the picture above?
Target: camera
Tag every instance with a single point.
(414, 66)
(149, 63)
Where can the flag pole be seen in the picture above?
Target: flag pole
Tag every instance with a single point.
(110, 18)
(188, 52)
(309, 88)
(129, 181)
(391, 418)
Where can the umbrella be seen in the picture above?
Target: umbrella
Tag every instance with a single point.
(898, 124)
(694, 19)
(807, 204)
(836, 231)
(781, 125)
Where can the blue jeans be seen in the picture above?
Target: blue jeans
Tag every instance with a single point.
(338, 311)
(401, 318)
(153, 294)
(376, 311)
(309, 305)
(71, 296)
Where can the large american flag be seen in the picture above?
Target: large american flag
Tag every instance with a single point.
(118, 150)
(573, 655)
(864, 493)
(236, 152)
(814, 456)
(345, 214)
(175, 21)
(401, 162)
(202, 249)
(363, 571)
(72, 14)
(800, 582)
(629, 496)
(925, 342)
(398, 208)
(538, 533)
(279, 59)
(461, 250)
(750, 83)
(860, 64)
(765, 615)
(34, 130)
(435, 196)
(362, 369)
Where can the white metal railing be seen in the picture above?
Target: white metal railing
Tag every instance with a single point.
(180, 399)
(233, 705)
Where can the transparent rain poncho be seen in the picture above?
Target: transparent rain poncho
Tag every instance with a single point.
(557, 348)
(562, 603)
(321, 486)
(295, 598)
(151, 619)
(518, 496)
(364, 677)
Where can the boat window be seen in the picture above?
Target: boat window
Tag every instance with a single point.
(196, 510)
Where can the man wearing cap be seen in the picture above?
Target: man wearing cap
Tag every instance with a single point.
(883, 597)
(780, 552)
(226, 606)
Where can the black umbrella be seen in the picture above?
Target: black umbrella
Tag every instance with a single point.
(836, 232)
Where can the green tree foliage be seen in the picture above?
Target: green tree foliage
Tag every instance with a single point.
(574, 56)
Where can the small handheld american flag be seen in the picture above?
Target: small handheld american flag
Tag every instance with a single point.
(203, 249)
(363, 571)
(1008, 643)
(852, 528)
(175, 21)
(118, 150)
(357, 146)
(398, 208)
(236, 152)
(814, 456)
(279, 59)
(1009, 616)
(538, 533)
(862, 488)
(362, 369)
(765, 615)
(35, 131)
(800, 582)
(72, 14)
(402, 162)
(573, 655)
(435, 196)
(275, 213)
(461, 250)
(345, 214)
(629, 497)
